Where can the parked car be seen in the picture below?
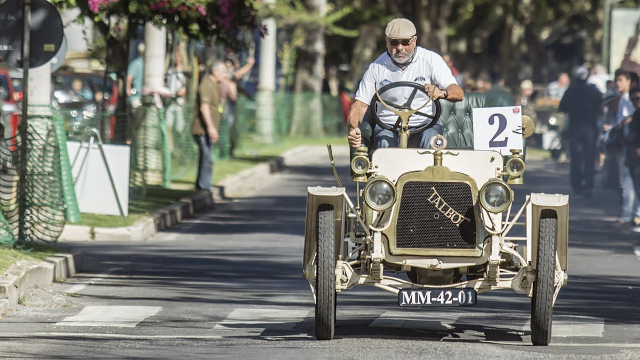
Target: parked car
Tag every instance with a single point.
(10, 108)
(441, 218)
(85, 99)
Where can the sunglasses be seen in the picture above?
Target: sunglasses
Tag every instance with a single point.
(398, 42)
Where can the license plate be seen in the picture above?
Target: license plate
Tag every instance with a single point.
(437, 297)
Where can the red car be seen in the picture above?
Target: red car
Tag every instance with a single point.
(10, 109)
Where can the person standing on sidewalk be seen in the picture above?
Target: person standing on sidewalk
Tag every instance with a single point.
(205, 124)
(582, 102)
(623, 112)
(633, 145)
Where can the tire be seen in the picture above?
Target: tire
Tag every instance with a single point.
(325, 274)
(543, 287)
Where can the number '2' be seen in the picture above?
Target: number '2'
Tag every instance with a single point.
(502, 124)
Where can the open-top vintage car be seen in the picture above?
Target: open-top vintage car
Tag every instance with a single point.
(436, 226)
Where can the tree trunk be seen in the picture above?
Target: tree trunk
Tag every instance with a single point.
(364, 52)
(307, 113)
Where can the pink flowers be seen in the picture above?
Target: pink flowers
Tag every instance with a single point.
(185, 8)
(94, 5)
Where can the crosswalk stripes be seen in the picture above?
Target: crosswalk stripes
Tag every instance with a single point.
(256, 321)
(253, 322)
(112, 316)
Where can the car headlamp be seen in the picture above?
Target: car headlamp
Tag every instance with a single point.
(553, 120)
(495, 196)
(515, 167)
(360, 165)
(380, 194)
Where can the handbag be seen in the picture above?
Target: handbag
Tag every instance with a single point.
(615, 139)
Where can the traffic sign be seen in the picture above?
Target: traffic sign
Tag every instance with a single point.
(45, 38)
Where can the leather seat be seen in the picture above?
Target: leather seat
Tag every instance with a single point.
(456, 118)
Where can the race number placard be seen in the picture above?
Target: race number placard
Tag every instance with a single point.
(497, 128)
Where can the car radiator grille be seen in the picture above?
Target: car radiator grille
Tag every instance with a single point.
(422, 218)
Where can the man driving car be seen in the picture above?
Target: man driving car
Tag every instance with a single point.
(403, 61)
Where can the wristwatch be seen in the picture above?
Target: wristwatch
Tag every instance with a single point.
(446, 94)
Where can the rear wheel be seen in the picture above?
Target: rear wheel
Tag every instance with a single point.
(543, 287)
(325, 274)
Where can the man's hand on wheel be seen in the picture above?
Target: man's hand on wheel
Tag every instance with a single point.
(434, 92)
(355, 139)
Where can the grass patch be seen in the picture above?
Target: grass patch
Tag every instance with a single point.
(9, 255)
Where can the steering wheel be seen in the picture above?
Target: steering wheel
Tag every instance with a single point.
(406, 107)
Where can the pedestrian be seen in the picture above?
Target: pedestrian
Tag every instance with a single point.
(205, 124)
(581, 102)
(403, 61)
(633, 145)
(236, 75)
(498, 86)
(621, 110)
(177, 85)
(135, 76)
(557, 88)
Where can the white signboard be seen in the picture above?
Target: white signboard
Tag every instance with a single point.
(497, 128)
(93, 188)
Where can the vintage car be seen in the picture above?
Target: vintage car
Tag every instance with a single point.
(436, 226)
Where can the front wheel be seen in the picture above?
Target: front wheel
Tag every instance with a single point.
(325, 274)
(543, 287)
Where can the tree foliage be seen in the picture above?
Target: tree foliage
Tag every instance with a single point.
(206, 19)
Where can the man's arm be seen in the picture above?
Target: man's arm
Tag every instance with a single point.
(238, 74)
(206, 115)
(129, 81)
(356, 114)
(455, 92)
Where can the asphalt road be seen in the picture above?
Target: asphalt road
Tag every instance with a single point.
(228, 284)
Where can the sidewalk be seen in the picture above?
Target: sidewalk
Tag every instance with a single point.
(171, 215)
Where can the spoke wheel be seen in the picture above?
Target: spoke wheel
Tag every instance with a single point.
(325, 274)
(543, 287)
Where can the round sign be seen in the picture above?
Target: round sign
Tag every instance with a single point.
(45, 36)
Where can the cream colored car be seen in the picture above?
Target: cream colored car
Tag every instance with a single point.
(437, 228)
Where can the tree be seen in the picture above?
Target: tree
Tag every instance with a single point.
(117, 20)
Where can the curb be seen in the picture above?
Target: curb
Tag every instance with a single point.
(27, 274)
(173, 214)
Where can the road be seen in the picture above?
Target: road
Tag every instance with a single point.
(228, 284)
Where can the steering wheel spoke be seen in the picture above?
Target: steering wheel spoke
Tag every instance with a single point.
(396, 128)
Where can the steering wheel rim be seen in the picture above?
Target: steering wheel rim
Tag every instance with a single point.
(396, 128)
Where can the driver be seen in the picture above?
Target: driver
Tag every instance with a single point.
(403, 61)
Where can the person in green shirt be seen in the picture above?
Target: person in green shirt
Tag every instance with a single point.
(205, 125)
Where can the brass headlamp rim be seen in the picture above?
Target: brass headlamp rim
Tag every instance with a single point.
(366, 168)
(491, 209)
(511, 161)
(366, 192)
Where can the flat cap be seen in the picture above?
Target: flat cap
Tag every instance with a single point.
(400, 28)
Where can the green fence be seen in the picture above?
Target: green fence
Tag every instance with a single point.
(36, 195)
(163, 149)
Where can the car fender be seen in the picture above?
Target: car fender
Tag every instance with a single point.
(317, 196)
(558, 203)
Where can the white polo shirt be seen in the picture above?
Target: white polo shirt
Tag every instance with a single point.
(426, 67)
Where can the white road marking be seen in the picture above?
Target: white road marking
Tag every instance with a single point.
(94, 279)
(114, 316)
(409, 320)
(563, 325)
(636, 251)
(252, 319)
(109, 336)
(577, 326)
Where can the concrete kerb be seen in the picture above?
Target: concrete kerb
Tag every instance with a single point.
(25, 274)
(173, 214)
